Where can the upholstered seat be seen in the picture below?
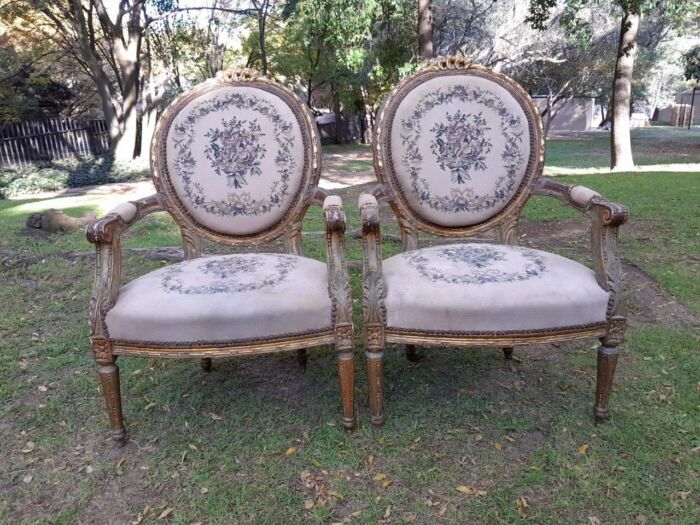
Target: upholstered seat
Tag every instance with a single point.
(477, 288)
(227, 298)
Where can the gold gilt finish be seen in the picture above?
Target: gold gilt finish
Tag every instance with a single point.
(105, 233)
(606, 218)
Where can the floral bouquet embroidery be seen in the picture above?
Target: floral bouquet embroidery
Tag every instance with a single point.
(460, 145)
(235, 150)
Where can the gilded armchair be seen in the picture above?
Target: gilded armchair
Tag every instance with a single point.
(459, 150)
(235, 160)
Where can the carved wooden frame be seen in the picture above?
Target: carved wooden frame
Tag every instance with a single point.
(105, 233)
(606, 218)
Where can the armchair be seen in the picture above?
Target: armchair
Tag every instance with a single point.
(235, 160)
(459, 150)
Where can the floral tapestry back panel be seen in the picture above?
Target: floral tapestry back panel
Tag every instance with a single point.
(236, 159)
(460, 147)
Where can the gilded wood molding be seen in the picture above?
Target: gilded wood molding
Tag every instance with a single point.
(373, 307)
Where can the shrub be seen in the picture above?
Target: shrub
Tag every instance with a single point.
(70, 173)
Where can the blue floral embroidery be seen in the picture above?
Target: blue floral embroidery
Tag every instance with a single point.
(460, 145)
(235, 150)
(241, 203)
(482, 263)
(225, 274)
(464, 200)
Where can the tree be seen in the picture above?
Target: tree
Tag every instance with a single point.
(425, 28)
(691, 64)
(668, 12)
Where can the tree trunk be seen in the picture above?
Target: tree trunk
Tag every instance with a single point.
(425, 28)
(262, 15)
(339, 135)
(621, 145)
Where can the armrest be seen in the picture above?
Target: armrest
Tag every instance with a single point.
(606, 218)
(338, 280)
(105, 234)
(105, 229)
(373, 309)
(583, 199)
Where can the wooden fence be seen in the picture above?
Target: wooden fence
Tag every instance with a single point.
(57, 138)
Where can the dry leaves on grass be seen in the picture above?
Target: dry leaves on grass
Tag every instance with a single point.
(470, 491)
(522, 505)
(582, 449)
(382, 479)
(317, 489)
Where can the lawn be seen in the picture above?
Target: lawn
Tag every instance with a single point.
(259, 440)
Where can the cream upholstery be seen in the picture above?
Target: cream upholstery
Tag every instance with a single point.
(581, 195)
(125, 210)
(224, 298)
(489, 288)
(460, 146)
(235, 158)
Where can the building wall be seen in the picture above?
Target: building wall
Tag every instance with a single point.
(574, 115)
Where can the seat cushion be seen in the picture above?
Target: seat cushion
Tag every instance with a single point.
(489, 288)
(224, 298)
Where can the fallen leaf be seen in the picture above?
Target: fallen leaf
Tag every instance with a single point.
(290, 451)
(379, 477)
(387, 512)
(89, 469)
(684, 495)
(43, 388)
(582, 449)
(308, 504)
(215, 417)
(204, 490)
(193, 447)
(165, 513)
(464, 489)
(593, 520)
(498, 445)
(121, 462)
(27, 479)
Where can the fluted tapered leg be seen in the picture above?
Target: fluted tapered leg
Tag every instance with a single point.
(109, 378)
(375, 378)
(205, 363)
(607, 362)
(411, 353)
(508, 353)
(346, 374)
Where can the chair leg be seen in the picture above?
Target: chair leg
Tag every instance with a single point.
(375, 378)
(206, 364)
(508, 353)
(346, 374)
(607, 361)
(412, 353)
(109, 378)
(301, 357)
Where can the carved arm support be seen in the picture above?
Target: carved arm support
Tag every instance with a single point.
(105, 234)
(606, 218)
(373, 308)
(338, 280)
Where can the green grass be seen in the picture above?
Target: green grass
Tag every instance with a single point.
(280, 428)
